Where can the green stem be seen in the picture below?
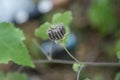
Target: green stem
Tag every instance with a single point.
(70, 54)
(79, 71)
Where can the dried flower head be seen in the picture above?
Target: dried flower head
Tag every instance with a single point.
(56, 32)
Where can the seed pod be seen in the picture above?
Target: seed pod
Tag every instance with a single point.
(57, 32)
(61, 28)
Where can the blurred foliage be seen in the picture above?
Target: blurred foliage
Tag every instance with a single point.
(13, 76)
(102, 17)
(12, 46)
(117, 76)
(117, 49)
(113, 49)
(98, 77)
(64, 18)
(86, 79)
(118, 55)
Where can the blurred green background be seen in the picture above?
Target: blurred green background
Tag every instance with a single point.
(96, 29)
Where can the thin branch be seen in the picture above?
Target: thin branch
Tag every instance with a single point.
(51, 52)
(70, 54)
(40, 48)
(79, 71)
(20, 68)
(72, 62)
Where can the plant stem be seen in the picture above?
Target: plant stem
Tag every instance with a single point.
(70, 54)
(49, 56)
(20, 68)
(79, 71)
(72, 62)
(51, 50)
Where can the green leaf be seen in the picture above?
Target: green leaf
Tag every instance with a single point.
(13, 76)
(77, 66)
(12, 47)
(64, 18)
(42, 30)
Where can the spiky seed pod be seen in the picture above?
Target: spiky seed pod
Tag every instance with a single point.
(56, 32)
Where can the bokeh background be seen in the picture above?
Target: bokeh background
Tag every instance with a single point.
(95, 37)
